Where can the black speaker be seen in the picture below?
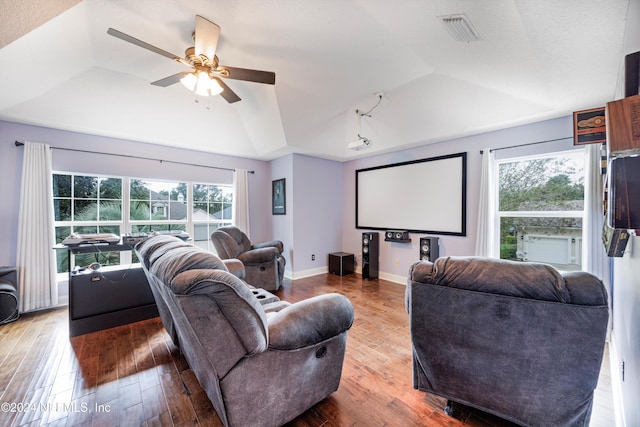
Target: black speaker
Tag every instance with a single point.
(429, 248)
(8, 295)
(397, 236)
(370, 255)
(341, 263)
(632, 74)
(624, 188)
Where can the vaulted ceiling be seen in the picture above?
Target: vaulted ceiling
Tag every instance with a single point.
(535, 60)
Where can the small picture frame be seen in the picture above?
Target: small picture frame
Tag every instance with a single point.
(278, 197)
(589, 127)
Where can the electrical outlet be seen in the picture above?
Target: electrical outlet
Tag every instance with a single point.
(313, 257)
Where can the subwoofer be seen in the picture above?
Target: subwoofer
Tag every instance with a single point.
(370, 255)
(8, 295)
(429, 248)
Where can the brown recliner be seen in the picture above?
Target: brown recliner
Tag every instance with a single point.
(263, 262)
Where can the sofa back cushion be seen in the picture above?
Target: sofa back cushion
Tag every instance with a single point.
(179, 259)
(154, 247)
(226, 247)
(496, 276)
(233, 299)
(188, 271)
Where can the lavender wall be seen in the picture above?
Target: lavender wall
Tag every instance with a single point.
(317, 191)
(625, 337)
(283, 224)
(313, 223)
(11, 166)
(396, 258)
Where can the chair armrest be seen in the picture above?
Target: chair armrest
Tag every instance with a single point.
(235, 267)
(310, 321)
(271, 244)
(259, 256)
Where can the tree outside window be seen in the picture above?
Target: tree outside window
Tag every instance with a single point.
(88, 204)
(540, 209)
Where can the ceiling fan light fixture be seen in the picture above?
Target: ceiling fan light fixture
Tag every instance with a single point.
(214, 87)
(460, 28)
(201, 83)
(189, 81)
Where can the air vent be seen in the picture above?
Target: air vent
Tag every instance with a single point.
(460, 28)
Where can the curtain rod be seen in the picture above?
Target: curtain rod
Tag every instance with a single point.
(20, 144)
(491, 150)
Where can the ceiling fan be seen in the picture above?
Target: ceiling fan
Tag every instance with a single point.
(206, 75)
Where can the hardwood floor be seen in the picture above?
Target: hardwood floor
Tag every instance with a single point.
(134, 375)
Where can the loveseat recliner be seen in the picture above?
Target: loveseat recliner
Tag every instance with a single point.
(518, 340)
(260, 365)
(264, 263)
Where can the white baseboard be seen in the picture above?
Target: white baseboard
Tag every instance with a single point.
(387, 276)
(616, 383)
(394, 278)
(322, 270)
(306, 273)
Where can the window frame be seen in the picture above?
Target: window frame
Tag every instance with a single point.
(498, 214)
(126, 224)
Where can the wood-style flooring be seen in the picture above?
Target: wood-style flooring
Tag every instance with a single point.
(134, 376)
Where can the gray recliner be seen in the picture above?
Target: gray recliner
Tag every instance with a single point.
(264, 263)
(518, 340)
(260, 365)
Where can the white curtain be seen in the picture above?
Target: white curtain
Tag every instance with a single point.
(486, 216)
(241, 200)
(36, 261)
(593, 255)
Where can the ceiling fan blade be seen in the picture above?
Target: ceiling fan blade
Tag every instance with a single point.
(152, 48)
(229, 95)
(257, 76)
(168, 81)
(206, 37)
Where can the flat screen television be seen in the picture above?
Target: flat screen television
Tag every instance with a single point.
(419, 196)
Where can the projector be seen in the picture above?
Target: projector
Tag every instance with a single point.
(361, 143)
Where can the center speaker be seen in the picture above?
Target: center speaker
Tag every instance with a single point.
(429, 249)
(8, 295)
(370, 255)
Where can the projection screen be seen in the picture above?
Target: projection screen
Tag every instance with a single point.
(420, 196)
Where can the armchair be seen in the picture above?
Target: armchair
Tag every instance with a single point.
(263, 262)
(258, 367)
(518, 340)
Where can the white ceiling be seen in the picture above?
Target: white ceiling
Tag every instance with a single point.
(536, 60)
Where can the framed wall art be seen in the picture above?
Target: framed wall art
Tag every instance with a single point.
(278, 197)
(589, 127)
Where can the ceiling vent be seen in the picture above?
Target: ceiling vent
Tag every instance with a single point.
(460, 28)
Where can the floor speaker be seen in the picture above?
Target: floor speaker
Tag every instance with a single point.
(429, 248)
(370, 255)
(8, 295)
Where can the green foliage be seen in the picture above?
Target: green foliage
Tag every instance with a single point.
(138, 191)
(539, 185)
(508, 251)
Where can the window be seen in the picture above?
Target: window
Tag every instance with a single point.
(540, 209)
(94, 204)
(157, 205)
(86, 204)
(212, 208)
